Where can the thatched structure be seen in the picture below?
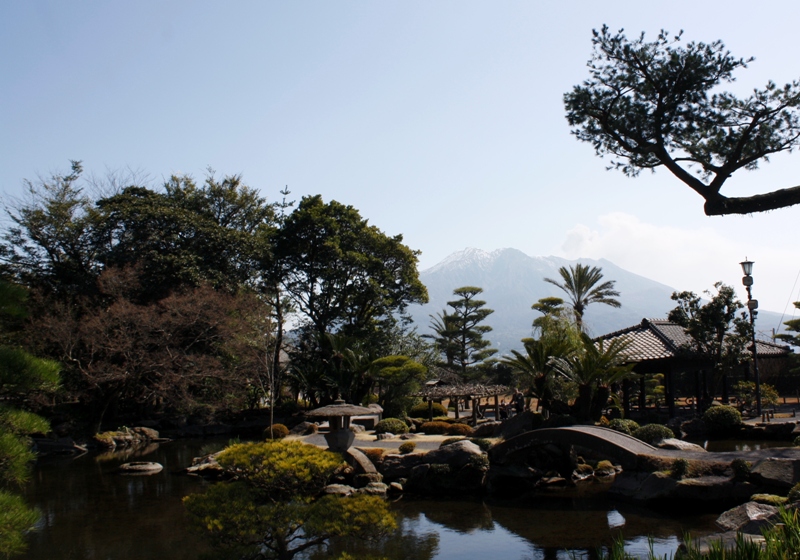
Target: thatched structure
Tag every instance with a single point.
(449, 385)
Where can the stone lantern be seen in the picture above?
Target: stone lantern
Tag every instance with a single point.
(340, 437)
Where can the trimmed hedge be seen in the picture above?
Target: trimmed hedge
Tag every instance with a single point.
(435, 428)
(653, 433)
(459, 430)
(276, 431)
(407, 447)
(421, 410)
(722, 420)
(391, 426)
(624, 425)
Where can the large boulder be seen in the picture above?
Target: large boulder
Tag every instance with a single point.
(519, 424)
(487, 429)
(457, 455)
(395, 467)
(776, 473)
(680, 445)
(751, 518)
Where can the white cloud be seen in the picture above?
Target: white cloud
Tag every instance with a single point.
(686, 258)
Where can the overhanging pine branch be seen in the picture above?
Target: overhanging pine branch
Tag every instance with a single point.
(721, 205)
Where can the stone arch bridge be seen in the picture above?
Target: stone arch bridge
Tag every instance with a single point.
(623, 448)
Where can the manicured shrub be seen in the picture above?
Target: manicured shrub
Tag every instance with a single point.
(796, 441)
(769, 499)
(407, 447)
(680, 467)
(653, 433)
(374, 454)
(448, 441)
(624, 425)
(740, 468)
(483, 443)
(459, 430)
(448, 420)
(421, 410)
(391, 426)
(722, 420)
(434, 428)
(276, 431)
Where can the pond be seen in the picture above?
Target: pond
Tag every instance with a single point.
(89, 512)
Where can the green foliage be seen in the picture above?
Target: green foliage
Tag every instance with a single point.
(391, 426)
(276, 431)
(16, 519)
(459, 334)
(280, 469)
(435, 428)
(483, 443)
(583, 286)
(407, 447)
(679, 469)
(559, 421)
(746, 391)
(722, 420)
(624, 425)
(769, 499)
(421, 410)
(741, 469)
(792, 326)
(459, 430)
(796, 441)
(650, 104)
(653, 433)
(399, 375)
(794, 493)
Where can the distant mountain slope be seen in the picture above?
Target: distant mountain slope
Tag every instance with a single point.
(512, 281)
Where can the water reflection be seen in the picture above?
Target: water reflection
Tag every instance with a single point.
(88, 512)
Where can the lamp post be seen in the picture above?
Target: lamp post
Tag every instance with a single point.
(752, 306)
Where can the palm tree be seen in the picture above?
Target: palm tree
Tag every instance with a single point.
(582, 285)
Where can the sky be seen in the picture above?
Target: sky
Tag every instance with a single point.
(442, 121)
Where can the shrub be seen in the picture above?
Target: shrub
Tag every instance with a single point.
(434, 428)
(448, 441)
(483, 443)
(653, 433)
(740, 468)
(624, 425)
(722, 419)
(374, 454)
(794, 493)
(584, 469)
(680, 467)
(447, 419)
(391, 426)
(459, 430)
(604, 467)
(407, 447)
(796, 441)
(276, 431)
(421, 410)
(769, 499)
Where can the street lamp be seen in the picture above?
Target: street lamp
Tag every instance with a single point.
(752, 306)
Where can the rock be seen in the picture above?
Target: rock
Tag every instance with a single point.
(408, 436)
(457, 454)
(395, 467)
(206, 467)
(357, 428)
(694, 428)
(395, 488)
(679, 444)
(374, 489)
(304, 429)
(518, 424)
(778, 473)
(487, 429)
(140, 468)
(339, 490)
(359, 460)
(751, 518)
(365, 479)
(146, 433)
(382, 437)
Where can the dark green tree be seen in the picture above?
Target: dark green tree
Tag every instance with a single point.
(583, 286)
(717, 333)
(20, 375)
(651, 104)
(792, 326)
(459, 333)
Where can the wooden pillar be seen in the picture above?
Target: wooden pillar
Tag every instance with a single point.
(475, 406)
(626, 397)
(669, 391)
(430, 409)
(642, 395)
(457, 399)
(496, 408)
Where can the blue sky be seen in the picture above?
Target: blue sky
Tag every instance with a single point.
(440, 120)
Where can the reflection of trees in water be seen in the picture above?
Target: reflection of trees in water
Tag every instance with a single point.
(404, 544)
(460, 516)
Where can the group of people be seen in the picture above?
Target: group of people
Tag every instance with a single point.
(516, 406)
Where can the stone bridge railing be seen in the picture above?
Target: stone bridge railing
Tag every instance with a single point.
(615, 445)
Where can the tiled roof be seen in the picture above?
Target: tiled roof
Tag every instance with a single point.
(655, 339)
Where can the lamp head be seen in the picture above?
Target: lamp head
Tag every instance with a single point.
(747, 267)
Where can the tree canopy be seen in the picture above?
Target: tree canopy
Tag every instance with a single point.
(653, 104)
(583, 286)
